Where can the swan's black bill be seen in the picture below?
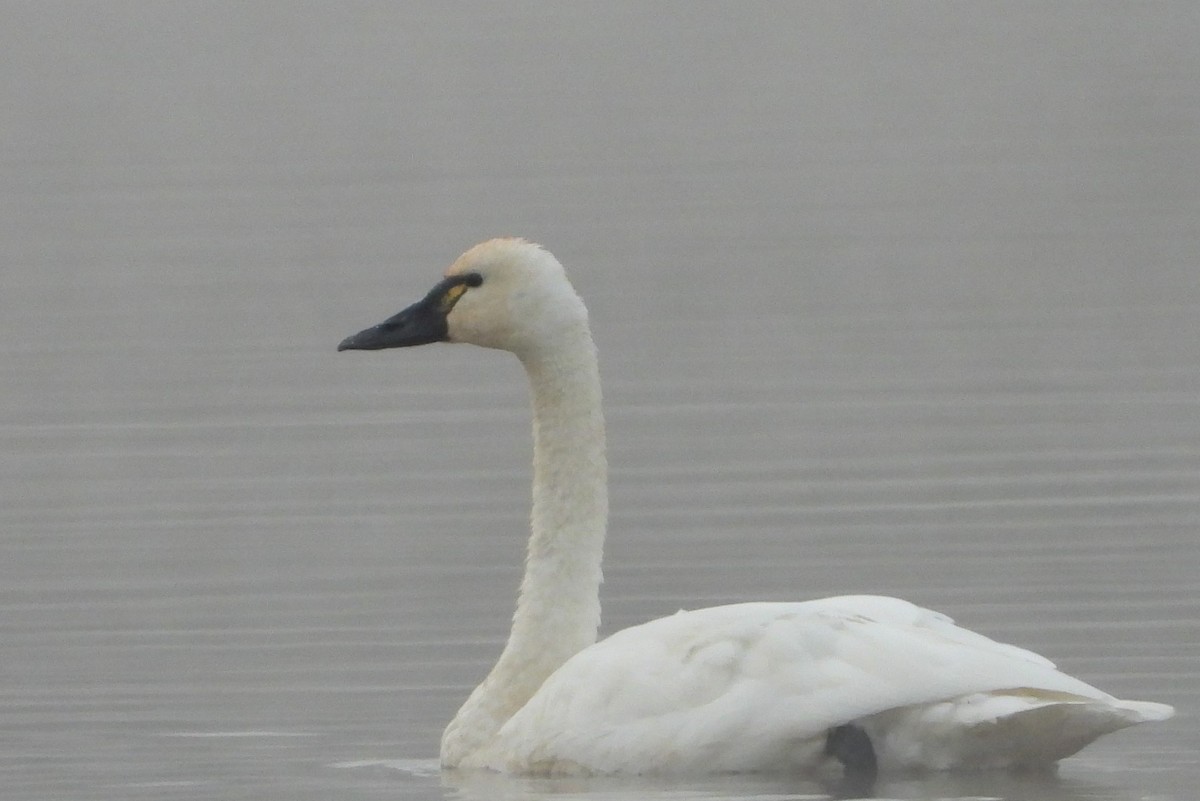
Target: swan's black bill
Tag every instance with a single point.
(420, 324)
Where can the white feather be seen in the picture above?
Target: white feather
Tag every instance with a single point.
(755, 687)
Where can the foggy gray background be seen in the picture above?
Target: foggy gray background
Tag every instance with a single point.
(890, 297)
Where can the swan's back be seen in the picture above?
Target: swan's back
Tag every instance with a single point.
(757, 686)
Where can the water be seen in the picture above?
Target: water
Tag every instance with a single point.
(890, 298)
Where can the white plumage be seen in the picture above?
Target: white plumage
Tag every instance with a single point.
(756, 686)
(744, 687)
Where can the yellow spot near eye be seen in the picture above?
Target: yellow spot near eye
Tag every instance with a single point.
(451, 297)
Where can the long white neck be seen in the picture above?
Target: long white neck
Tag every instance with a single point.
(558, 609)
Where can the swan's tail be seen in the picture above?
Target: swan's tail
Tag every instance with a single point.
(1013, 729)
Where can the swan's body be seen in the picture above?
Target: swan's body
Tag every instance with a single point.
(745, 687)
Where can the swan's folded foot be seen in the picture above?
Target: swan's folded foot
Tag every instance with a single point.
(851, 746)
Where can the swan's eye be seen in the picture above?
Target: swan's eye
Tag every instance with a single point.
(473, 279)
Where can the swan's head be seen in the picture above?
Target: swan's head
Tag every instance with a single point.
(504, 293)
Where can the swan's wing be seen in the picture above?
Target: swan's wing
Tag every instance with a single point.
(738, 687)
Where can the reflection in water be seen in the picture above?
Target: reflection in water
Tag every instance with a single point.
(410, 778)
(1044, 786)
(414, 777)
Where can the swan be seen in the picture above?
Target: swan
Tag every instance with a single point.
(872, 683)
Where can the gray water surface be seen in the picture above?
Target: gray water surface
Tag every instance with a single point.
(893, 298)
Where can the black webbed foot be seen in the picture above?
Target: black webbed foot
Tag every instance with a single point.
(851, 746)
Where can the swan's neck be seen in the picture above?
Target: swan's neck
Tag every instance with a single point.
(558, 609)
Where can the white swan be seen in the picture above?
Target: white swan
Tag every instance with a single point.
(868, 681)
